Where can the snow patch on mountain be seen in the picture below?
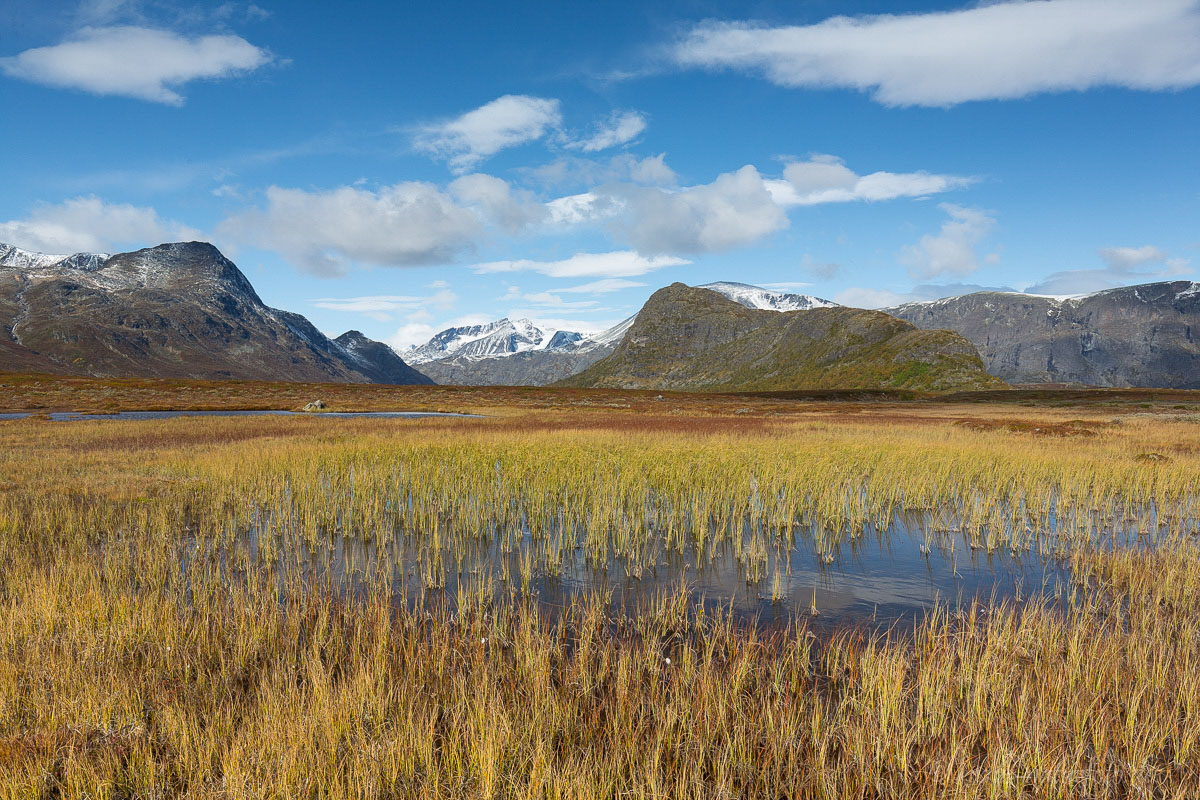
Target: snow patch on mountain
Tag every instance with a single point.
(766, 299)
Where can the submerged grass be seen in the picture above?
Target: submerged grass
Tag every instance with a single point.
(126, 673)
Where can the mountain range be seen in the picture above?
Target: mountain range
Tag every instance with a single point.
(518, 353)
(178, 310)
(689, 337)
(184, 310)
(1147, 335)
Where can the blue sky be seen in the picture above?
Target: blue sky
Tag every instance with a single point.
(398, 168)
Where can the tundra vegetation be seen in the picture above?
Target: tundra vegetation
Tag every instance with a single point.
(163, 634)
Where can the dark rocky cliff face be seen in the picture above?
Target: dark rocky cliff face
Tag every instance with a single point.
(692, 338)
(178, 310)
(378, 361)
(1146, 335)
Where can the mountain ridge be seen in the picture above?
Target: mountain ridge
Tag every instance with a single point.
(693, 338)
(175, 310)
(1142, 335)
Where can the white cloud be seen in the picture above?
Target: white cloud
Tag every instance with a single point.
(952, 250)
(577, 209)
(826, 179)
(576, 171)
(88, 224)
(734, 210)
(1123, 265)
(860, 297)
(504, 122)
(994, 50)
(131, 61)
(408, 224)
(382, 307)
(552, 300)
(620, 128)
(498, 202)
(602, 286)
(412, 334)
(623, 263)
(1130, 257)
(652, 171)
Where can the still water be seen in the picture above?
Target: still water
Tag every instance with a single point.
(877, 580)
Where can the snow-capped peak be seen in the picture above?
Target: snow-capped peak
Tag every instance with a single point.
(767, 299)
(504, 337)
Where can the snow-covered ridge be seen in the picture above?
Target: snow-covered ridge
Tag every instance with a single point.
(1056, 300)
(766, 299)
(17, 259)
(506, 337)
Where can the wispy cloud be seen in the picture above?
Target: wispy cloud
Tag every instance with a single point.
(620, 128)
(131, 61)
(383, 306)
(826, 179)
(622, 263)
(993, 50)
(1122, 266)
(505, 122)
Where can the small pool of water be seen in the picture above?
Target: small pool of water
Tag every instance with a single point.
(887, 578)
(75, 416)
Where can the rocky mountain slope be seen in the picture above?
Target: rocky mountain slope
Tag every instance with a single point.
(1146, 335)
(176, 310)
(692, 338)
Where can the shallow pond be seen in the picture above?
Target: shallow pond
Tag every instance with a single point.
(878, 580)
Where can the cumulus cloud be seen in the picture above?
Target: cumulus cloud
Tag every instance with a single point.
(996, 50)
(826, 179)
(504, 122)
(408, 224)
(734, 210)
(574, 171)
(619, 264)
(88, 224)
(131, 61)
(620, 128)
(1123, 265)
(412, 334)
(498, 202)
(952, 250)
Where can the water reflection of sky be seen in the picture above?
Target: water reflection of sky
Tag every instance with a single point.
(879, 579)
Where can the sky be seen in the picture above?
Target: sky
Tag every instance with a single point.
(398, 168)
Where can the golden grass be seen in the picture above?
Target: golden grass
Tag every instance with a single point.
(123, 674)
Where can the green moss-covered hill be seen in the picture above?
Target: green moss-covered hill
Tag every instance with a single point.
(691, 338)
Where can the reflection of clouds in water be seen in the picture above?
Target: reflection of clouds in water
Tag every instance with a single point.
(877, 579)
